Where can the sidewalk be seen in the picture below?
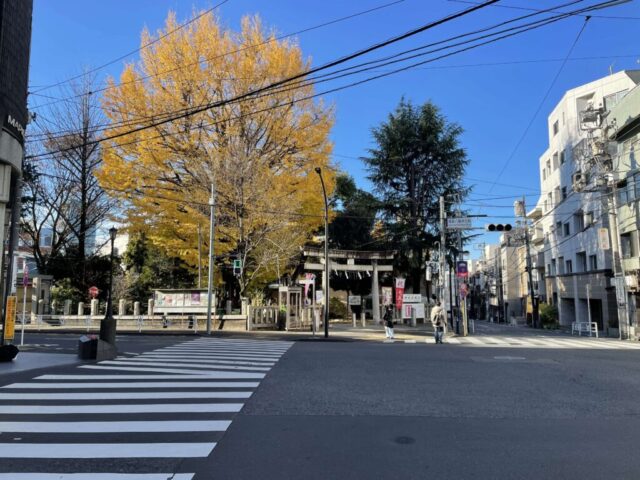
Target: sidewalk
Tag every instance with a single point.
(33, 360)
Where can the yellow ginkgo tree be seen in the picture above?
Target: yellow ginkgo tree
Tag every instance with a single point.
(259, 153)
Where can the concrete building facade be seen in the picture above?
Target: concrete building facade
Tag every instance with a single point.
(567, 219)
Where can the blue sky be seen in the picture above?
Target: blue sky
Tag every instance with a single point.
(492, 91)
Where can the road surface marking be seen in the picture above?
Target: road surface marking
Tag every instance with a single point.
(208, 357)
(141, 385)
(94, 377)
(105, 450)
(121, 408)
(120, 395)
(154, 363)
(96, 476)
(211, 374)
(116, 427)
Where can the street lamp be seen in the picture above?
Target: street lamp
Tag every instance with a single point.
(108, 324)
(326, 254)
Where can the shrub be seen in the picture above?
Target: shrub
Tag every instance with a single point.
(337, 308)
(548, 315)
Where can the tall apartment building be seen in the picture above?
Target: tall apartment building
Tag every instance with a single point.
(576, 270)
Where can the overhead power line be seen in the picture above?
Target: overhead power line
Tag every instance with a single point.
(127, 55)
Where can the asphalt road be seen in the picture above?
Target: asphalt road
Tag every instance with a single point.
(374, 410)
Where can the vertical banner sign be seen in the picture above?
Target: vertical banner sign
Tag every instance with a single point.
(461, 270)
(387, 296)
(399, 292)
(603, 238)
(10, 318)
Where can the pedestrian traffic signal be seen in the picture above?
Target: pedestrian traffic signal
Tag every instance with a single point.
(498, 227)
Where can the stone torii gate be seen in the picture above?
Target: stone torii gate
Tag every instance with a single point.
(373, 262)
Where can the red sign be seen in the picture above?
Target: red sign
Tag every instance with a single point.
(399, 292)
(25, 275)
(93, 291)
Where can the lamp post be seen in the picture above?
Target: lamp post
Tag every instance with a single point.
(326, 254)
(108, 324)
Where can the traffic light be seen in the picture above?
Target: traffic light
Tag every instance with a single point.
(498, 227)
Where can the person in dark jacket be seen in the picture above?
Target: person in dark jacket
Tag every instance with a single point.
(388, 321)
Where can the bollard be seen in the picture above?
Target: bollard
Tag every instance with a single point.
(122, 307)
(354, 320)
(136, 309)
(80, 309)
(94, 307)
(40, 306)
(413, 317)
(244, 305)
(363, 318)
(67, 308)
(150, 305)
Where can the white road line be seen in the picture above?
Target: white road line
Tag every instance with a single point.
(253, 343)
(121, 408)
(116, 427)
(452, 340)
(160, 364)
(105, 450)
(472, 340)
(209, 359)
(219, 351)
(137, 385)
(204, 373)
(120, 395)
(96, 476)
(198, 376)
(563, 343)
(206, 356)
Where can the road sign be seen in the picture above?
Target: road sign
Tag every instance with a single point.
(355, 300)
(408, 308)
(462, 270)
(459, 223)
(93, 291)
(10, 318)
(237, 266)
(411, 298)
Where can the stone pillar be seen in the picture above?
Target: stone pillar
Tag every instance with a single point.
(150, 305)
(122, 307)
(40, 307)
(228, 307)
(375, 296)
(136, 308)
(245, 304)
(67, 307)
(94, 307)
(54, 304)
(80, 309)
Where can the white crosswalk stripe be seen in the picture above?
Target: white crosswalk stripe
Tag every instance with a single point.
(145, 407)
(555, 342)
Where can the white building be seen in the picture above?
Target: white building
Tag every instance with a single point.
(566, 222)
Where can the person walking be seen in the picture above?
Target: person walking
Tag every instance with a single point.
(388, 322)
(438, 322)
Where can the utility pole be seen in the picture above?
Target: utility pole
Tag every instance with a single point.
(199, 256)
(441, 253)
(326, 255)
(212, 205)
(521, 210)
(618, 264)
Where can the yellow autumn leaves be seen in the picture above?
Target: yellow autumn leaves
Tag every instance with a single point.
(260, 152)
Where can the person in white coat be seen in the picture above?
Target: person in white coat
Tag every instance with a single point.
(438, 322)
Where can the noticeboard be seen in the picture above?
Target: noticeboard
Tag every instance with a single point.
(10, 318)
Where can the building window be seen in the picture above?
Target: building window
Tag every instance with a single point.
(544, 174)
(562, 118)
(612, 100)
(559, 229)
(20, 264)
(555, 161)
(626, 242)
(560, 265)
(548, 167)
(553, 266)
(556, 128)
(564, 193)
(622, 196)
(593, 262)
(562, 157)
(550, 199)
(569, 264)
(567, 229)
(546, 206)
(549, 269)
(581, 261)
(556, 194)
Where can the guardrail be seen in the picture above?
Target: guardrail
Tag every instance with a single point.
(587, 327)
(262, 317)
